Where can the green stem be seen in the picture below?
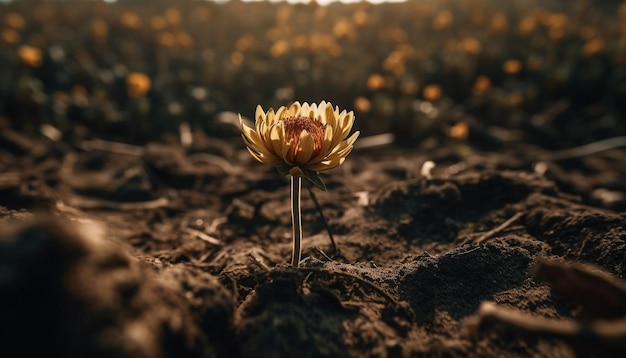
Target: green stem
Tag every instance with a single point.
(296, 221)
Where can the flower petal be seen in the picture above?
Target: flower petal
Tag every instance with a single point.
(326, 144)
(329, 116)
(269, 159)
(270, 117)
(353, 137)
(287, 152)
(276, 138)
(326, 165)
(346, 123)
(259, 125)
(281, 113)
(343, 144)
(251, 135)
(259, 114)
(333, 159)
(260, 149)
(305, 150)
(263, 132)
(344, 126)
(345, 151)
(293, 110)
(255, 155)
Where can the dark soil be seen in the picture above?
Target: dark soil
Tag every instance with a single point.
(154, 249)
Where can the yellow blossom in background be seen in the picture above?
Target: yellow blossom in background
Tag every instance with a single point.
(138, 84)
(432, 92)
(10, 36)
(512, 66)
(527, 25)
(302, 139)
(360, 18)
(375, 82)
(99, 28)
(459, 130)
(362, 104)
(279, 48)
(236, 58)
(15, 21)
(471, 45)
(184, 40)
(593, 47)
(499, 23)
(30, 55)
(166, 39)
(481, 85)
(173, 17)
(443, 20)
(130, 20)
(245, 42)
(409, 87)
(556, 24)
(343, 28)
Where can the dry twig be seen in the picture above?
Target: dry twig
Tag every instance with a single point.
(358, 279)
(489, 234)
(202, 236)
(603, 299)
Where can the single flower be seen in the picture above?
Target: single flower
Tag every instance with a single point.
(137, 84)
(302, 139)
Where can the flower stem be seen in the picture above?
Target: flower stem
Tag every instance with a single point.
(296, 220)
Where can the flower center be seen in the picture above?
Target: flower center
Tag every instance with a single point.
(294, 127)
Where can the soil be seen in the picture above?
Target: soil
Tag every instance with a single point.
(165, 254)
(150, 248)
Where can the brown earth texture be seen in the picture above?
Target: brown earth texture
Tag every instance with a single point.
(479, 221)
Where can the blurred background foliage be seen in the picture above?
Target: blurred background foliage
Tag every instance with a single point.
(550, 72)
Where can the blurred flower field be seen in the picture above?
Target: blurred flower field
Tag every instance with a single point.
(133, 70)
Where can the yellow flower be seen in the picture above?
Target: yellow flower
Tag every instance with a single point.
(137, 84)
(30, 55)
(301, 139)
